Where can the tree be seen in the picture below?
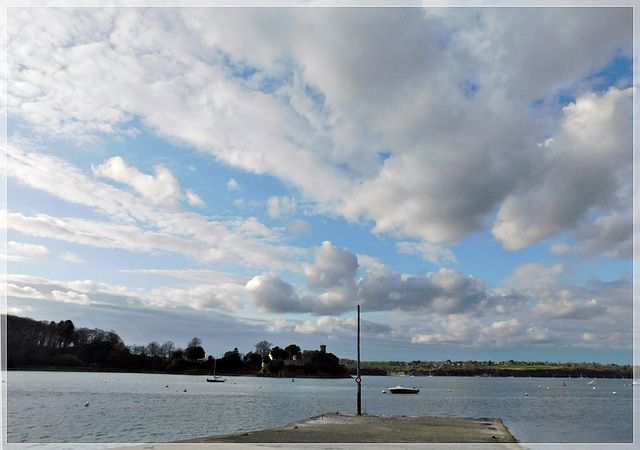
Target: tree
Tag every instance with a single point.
(194, 353)
(263, 347)
(253, 361)
(195, 342)
(167, 348)
(278, 353)
(231, 362)
(153, 349)
(292, 350)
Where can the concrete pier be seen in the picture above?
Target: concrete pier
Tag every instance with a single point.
(348, 430)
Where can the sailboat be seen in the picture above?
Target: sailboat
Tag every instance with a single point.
(215, 378)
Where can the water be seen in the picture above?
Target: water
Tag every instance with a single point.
(49, 407)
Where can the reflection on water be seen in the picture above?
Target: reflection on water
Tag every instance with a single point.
(50, 406)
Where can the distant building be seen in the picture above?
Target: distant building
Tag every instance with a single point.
(323, 348)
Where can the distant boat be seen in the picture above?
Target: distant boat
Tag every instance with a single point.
(403, 390)
(215, 378)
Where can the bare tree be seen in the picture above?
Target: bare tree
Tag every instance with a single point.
(263, 347)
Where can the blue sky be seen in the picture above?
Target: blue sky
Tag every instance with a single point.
(248, 174)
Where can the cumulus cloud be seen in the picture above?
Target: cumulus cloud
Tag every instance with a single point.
(269, 293)
(444, 292)
(587, 168)
(333, 266)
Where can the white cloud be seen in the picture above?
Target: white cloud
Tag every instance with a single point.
(161, 188)
(245, 241)
(71, 297)
(567, 309)
(194, 200)
(534, 274)
(233, 185)
(198, 297)
(586, 169)
(268, 293)
(71, 257)
(22, 251)
(504, 328)
(281, 206)
(333, 266)
(337, 325)
(444, 292)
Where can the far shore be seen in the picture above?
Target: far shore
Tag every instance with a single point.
(520, 373)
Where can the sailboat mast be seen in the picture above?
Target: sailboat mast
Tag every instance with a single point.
(358, 379)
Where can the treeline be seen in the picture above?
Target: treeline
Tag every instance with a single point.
(60, 345)
(493, 369)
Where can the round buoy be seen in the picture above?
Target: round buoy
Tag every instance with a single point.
(86, 404)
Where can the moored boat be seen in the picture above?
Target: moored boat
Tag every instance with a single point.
(403, 390)
(215, 378)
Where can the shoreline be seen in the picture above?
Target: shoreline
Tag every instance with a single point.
(518, 374)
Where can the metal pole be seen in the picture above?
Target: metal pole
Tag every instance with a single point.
(358, 379)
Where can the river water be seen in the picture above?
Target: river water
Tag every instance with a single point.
(75, 407)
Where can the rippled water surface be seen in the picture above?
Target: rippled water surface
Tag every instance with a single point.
(50, 406)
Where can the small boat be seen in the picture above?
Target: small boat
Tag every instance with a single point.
(215, 378)
(403, 390)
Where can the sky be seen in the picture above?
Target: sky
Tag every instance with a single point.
(465, 175)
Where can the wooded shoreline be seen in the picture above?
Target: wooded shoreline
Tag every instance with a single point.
(41, 345)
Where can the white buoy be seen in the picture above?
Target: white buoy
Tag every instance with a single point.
(615, 393)
(86, 404)
(526, 394)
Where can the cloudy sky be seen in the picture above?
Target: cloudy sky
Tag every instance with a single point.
(248, 174)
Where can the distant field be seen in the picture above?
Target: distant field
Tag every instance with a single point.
(489, 368)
